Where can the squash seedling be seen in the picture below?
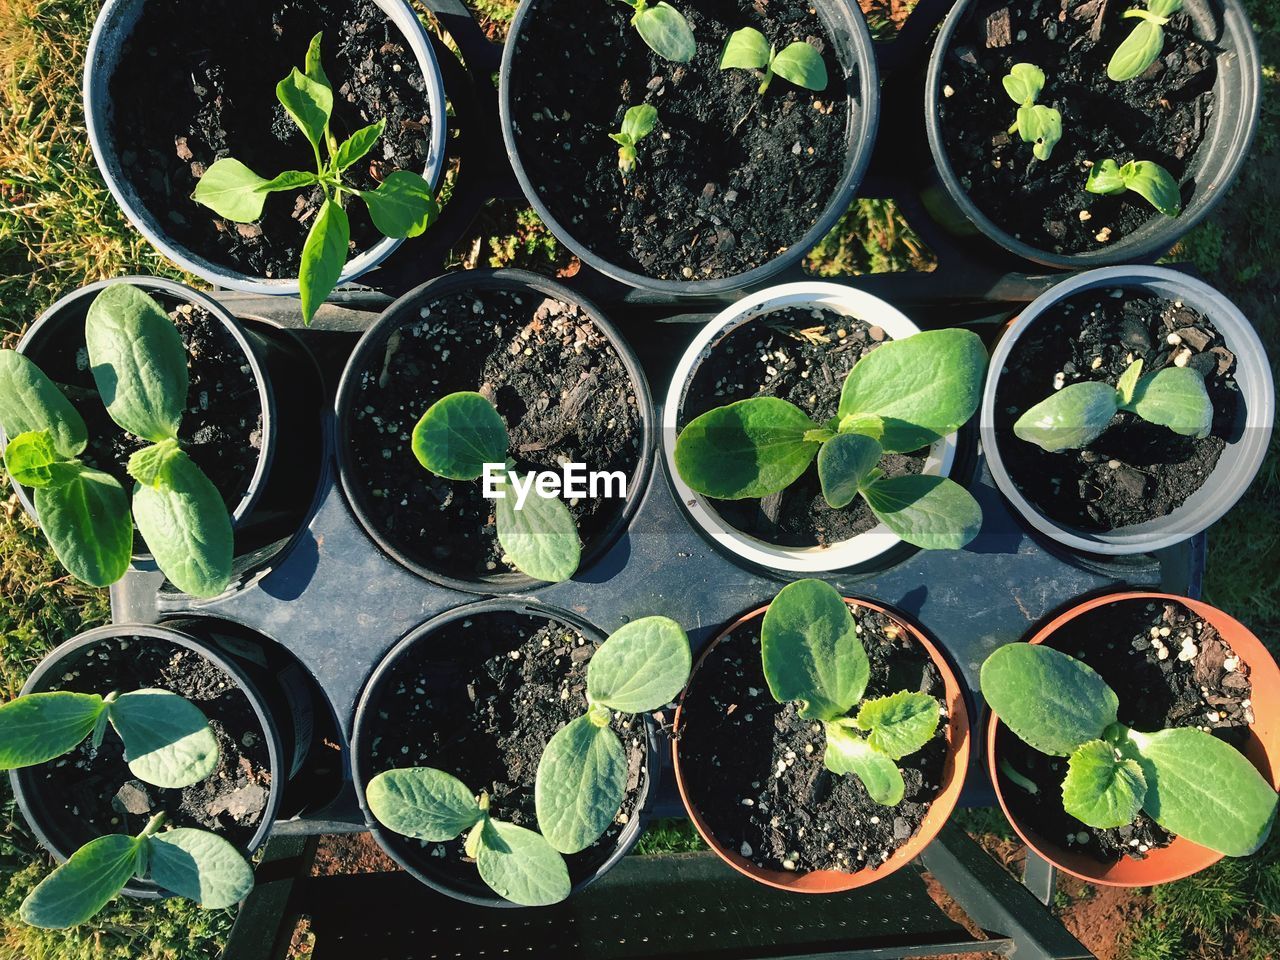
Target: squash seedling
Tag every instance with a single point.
(455, 439)
(139, 365)
(900, 397)
(1075, 416)
(1035, 123)
(1188, 781)
(582, 775)
(799, 62)
(427, 804)
(1146, 178)
(1143, 45)
(812, 655)
(664, 29)
(637, 124)
(401, 206)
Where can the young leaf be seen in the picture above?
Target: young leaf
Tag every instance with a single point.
(746, 49)
(138, 360)
(32, 460)
(521, 866)
(358, 145)
(900, 724)
(289, 180)
(323, 256)
(847, 753)
(95, 874)
(1070, 419)
(30, 402)
(422, 803)
(314, 68)
(582, 779)
(39, 727)
(1101, 790)
(167, 740)
(1154, 184)
(867, 424)
(747, 449)
(843, 463)
(1050, 700)
(402, 206)
(458, 435)
(232, 190)
(540, 537)
(1137, 51)
(309, 103)
(153, 466)
(811, 651)
(642, 666)
(666, 31)
(800, 63)
(638, 122)
(1023, 83)
(933, 513)
(1104, 178)
(1042, 126)
(1128, 383)
(86, 519)
(1175, 398)
(200, 866)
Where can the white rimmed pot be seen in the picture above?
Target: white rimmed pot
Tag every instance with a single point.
(863, 549)
(1240, 460)
(110, 32)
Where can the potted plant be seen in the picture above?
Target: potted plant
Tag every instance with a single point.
(1146, 752)
(806, 429)
(503, 368)
(757, 129)
(363, 121)
(1138, 118)
(1127, 409)
(821, 742)
(462, 713)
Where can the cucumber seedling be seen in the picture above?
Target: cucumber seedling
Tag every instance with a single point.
(900, 397)
(799, 62)
(1035, 123)
(1188, 781)
(582, 775)
(664, 29)
(1143, 45)
(401, 206)
(1146, 178)
(637, 124)
(812, 655)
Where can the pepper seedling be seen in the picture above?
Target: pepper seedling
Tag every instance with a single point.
(799, 62)
(1035, 123)
(139, 364)
(812, 655)
(402, 205)
(1141, 48)
(1075, 416)
(664, 29)
(582, 775)
(900, 397)
(427, 804)
(637, 124)
(455, 439)
(1187, 780)
(1146, 178)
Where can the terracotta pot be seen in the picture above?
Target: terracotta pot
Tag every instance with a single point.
(835, 881)
(1181, 858)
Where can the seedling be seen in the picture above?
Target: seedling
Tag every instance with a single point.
(812, 655)
(1187, 780)
(401, 206)
(1146, 178)
(902, 396)
(664, 29)
(1075, 416)
(139, 365)
(1141, 48)
(427, 804)
(455, 438)
(1035, 123)
(799, 62)
(637, 124)
(582, 776)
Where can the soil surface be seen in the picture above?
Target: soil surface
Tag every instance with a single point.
(218, 63)
(728, 180)
(803, 356)
(1162, 115)
(753, 767)
(480, 699)
(1136, 471)
(91, 793)
(1138, 647)
(554, 377)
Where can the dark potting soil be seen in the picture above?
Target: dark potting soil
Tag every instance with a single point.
(727, 181)
(1170, 668)
(1162, 115)
(803, 356)
(554, 377)
(480, 699)
(92, 793)
(217, 63)
(753, 767)
(1136, 471)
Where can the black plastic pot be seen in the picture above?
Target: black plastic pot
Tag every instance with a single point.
(852, 41)
(1237, 102)
(405, 311)
(408, 853)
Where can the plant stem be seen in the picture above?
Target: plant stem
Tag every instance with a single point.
(154, 825)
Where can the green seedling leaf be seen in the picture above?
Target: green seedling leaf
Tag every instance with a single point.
(641, 667)
(637, 123)
(1042, 126)
(1162, 8)
(847, 753)
(1205, 790)
(1154, 184)
(843, 464)
(1023, 83)
(1050, 700)
(313, 66)
(1104, 178)
(86, 520)
(1070, 419)
(582, 779)
(521, 866)
(402, 206)
(289, 180)
(422, 803)
(1175, 398)
(867, 424)
(1137, 51)
(900, 724)
(309, 103)
(323, 256)
(1128, 383)
(139, 362)
(1100, 789)
(747, 449)
(540, 537)
(153, 466)
(73, 893)
(800, 63)
(666, 31)
(167, 740)
(811, 651)
(232, 190)
(200, 866)
(458, 435)
(933, 513)
(31, 402)
(33, 460)
(40, 727)
(746, 49)
(358, 145)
